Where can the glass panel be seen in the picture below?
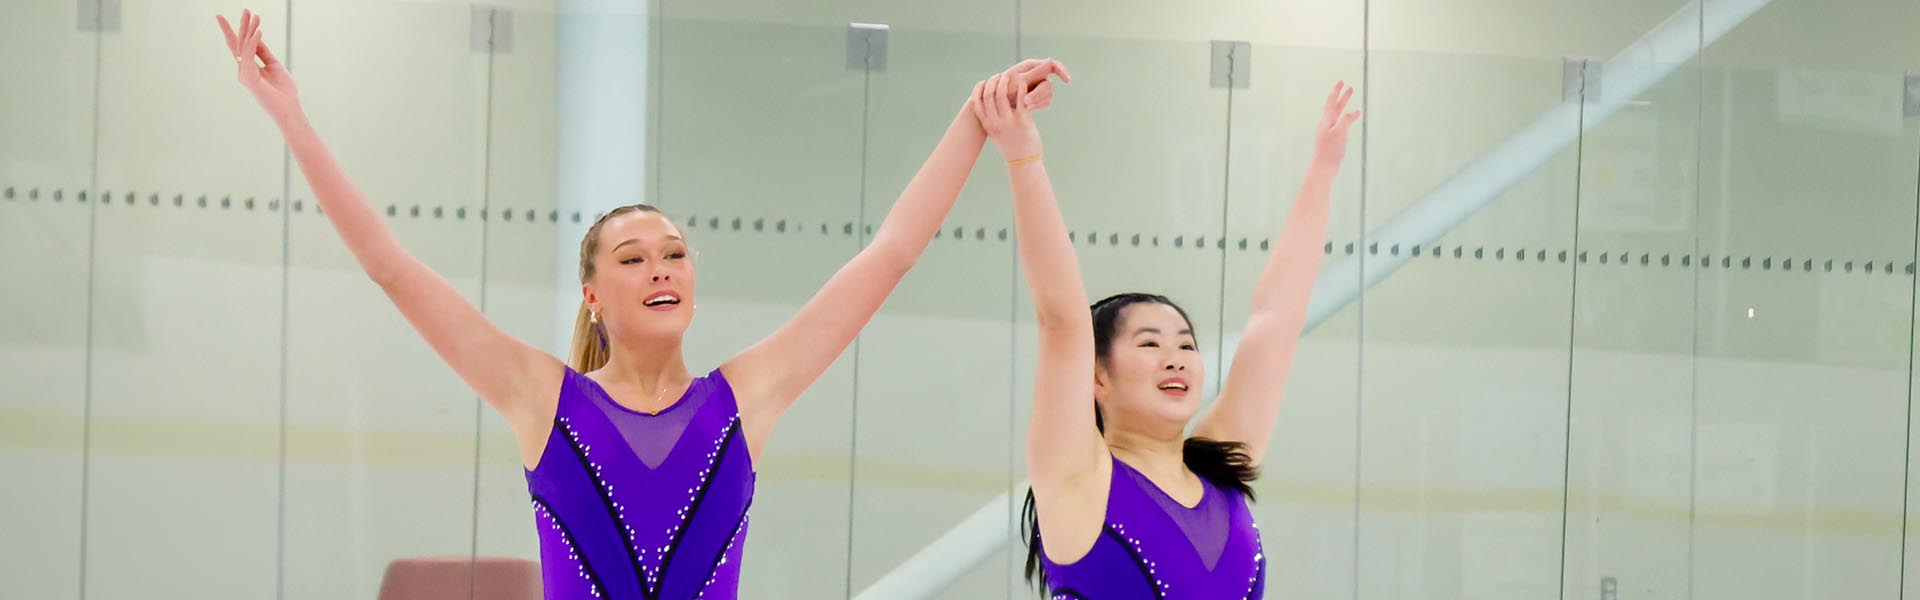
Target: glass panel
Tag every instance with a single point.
(1653, 342)
(380, 432)
(46, 151)
(1630, 447)
(1305, 492)
(935, 377)
(1460, 459)
(184, 474)
(1470, 205)
(759, 157)
(524, 286)
(1804, 371)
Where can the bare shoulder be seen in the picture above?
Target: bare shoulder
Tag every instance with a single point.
(1072, 511)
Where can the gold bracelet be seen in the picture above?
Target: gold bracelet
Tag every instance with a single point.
(1021, 161)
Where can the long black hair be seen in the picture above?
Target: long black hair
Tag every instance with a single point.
(1224, 464)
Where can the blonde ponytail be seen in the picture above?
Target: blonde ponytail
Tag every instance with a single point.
(589, 351)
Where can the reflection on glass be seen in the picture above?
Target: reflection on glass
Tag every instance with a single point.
(728, 81)
(1641, 326)
(931, 441)
(46, 169)
(379, 432)
(1799, 429)
(183, 470)
(1305, 493)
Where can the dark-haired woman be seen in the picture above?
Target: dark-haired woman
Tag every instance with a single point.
(1125, 504)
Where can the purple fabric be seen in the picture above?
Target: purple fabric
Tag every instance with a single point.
(1204, 524)
(1151, 547)
(631, 505)
(651, 437)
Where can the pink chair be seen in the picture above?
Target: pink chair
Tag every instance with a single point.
(449, 577)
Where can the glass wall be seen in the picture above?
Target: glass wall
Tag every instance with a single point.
(1617, 298)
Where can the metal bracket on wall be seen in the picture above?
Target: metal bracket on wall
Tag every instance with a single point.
(867, 46)
(492, 28)
(1913, 94)
(1232, 65)
(1609, 589)
(1579, 79)
(98, 15)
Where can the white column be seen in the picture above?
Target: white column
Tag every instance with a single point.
(601, 119)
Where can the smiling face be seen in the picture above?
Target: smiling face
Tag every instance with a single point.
(1150, 374)
(637, 275)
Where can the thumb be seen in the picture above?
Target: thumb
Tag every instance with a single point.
(1348, 120)
(1041, 96)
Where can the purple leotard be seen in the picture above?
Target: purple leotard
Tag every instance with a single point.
(1151, 547)
(632, 505)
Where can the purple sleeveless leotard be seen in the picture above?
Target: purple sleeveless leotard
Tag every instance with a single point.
(1151, 547)
(632, 505)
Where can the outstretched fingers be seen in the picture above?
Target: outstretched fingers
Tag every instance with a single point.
(226, 29)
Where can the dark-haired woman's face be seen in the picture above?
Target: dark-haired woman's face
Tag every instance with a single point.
(643, 277)
(1152, 376)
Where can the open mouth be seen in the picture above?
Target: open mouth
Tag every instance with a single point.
(662, 300)
(1175, 386)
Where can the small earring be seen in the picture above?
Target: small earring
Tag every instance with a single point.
(593, 318)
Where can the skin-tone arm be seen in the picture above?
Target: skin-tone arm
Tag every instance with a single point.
(518, 380)
(1249, 403)
(771, 374)
(1065, 452)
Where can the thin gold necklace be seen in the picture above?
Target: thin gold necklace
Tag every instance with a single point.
(658, 396)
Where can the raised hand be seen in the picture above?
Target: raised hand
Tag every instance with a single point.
(1005, 103)
(259, 70)
(1330, 143)
(1039, 87)
(1035, 77)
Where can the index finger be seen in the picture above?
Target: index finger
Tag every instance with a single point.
(233, 44)
(1042, 67)
(1026, 65)
(1061, 70)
